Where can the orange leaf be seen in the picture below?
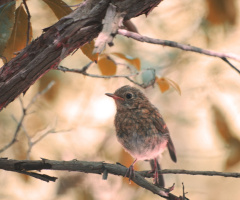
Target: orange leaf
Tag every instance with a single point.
(165, 83)
(133, 61)
(59, 7)
(126, 159)
(18, 38)
(87, 49)
(228, 136)
(106, 65)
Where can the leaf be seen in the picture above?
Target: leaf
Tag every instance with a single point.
(228, 136)
(126, 159)
(7, 22)
(221, 11)
(165, 83)
(106, 65)
(59, 7)
(133, 61)
(18, 38)
(87, 49)
(221, 125)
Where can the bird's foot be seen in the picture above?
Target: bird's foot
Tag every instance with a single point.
(130, 173)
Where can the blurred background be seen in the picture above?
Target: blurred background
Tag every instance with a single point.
(76, 117)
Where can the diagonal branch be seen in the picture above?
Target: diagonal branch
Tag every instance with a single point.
(58, 41)
(184, 47)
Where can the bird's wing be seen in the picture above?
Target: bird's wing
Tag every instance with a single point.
(162, 128)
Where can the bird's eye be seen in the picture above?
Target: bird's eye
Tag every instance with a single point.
(129, 95)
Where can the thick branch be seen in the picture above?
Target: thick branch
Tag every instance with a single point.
(23, 166)
(59, 40)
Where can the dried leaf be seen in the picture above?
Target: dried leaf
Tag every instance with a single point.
(228, 136)
(163, 84)
(18, 38)
(221, 11)
(234, 154)
(133, 61)
(174, 85)
(7, 22)
(59, 7)
(106, 65)
(127, 160)
(87, 49)
(130, 26)
(221, 125)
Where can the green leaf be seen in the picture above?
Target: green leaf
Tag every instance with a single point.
(59, 7)
(18, 38)
(6, 23)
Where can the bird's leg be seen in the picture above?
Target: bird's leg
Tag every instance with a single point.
(156, 180)
(130, 171)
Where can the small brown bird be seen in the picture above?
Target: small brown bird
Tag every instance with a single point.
(140, 128)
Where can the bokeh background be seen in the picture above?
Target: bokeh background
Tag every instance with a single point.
(78, 117)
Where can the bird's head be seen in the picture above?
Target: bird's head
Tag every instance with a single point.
(128, 97)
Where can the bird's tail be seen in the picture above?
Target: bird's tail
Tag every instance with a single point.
(171, 150)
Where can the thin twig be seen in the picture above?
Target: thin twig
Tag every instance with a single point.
(24, 113)
(29, 17)
(189, 172)
(227, 61)
(14, 139)
(49, 86)
(83, 71)
(184, 47)
(80, 71)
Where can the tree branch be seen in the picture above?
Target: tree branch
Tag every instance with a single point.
(83, 71)
(24, 113)
(184, 47)
(58, 41)
(23, 166)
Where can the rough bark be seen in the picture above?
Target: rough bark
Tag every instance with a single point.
(26, 167)
(58, 41)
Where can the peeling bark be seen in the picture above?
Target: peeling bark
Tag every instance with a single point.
(58, 41)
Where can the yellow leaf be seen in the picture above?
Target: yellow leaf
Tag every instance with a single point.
(174, 85)
(59, 7)
(133, 61)
(165, 83)
(106, 65)
(18, 38)
(87, 49)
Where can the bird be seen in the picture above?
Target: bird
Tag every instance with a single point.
(140, 129)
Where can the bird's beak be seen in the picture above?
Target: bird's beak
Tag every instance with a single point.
(115, 97)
